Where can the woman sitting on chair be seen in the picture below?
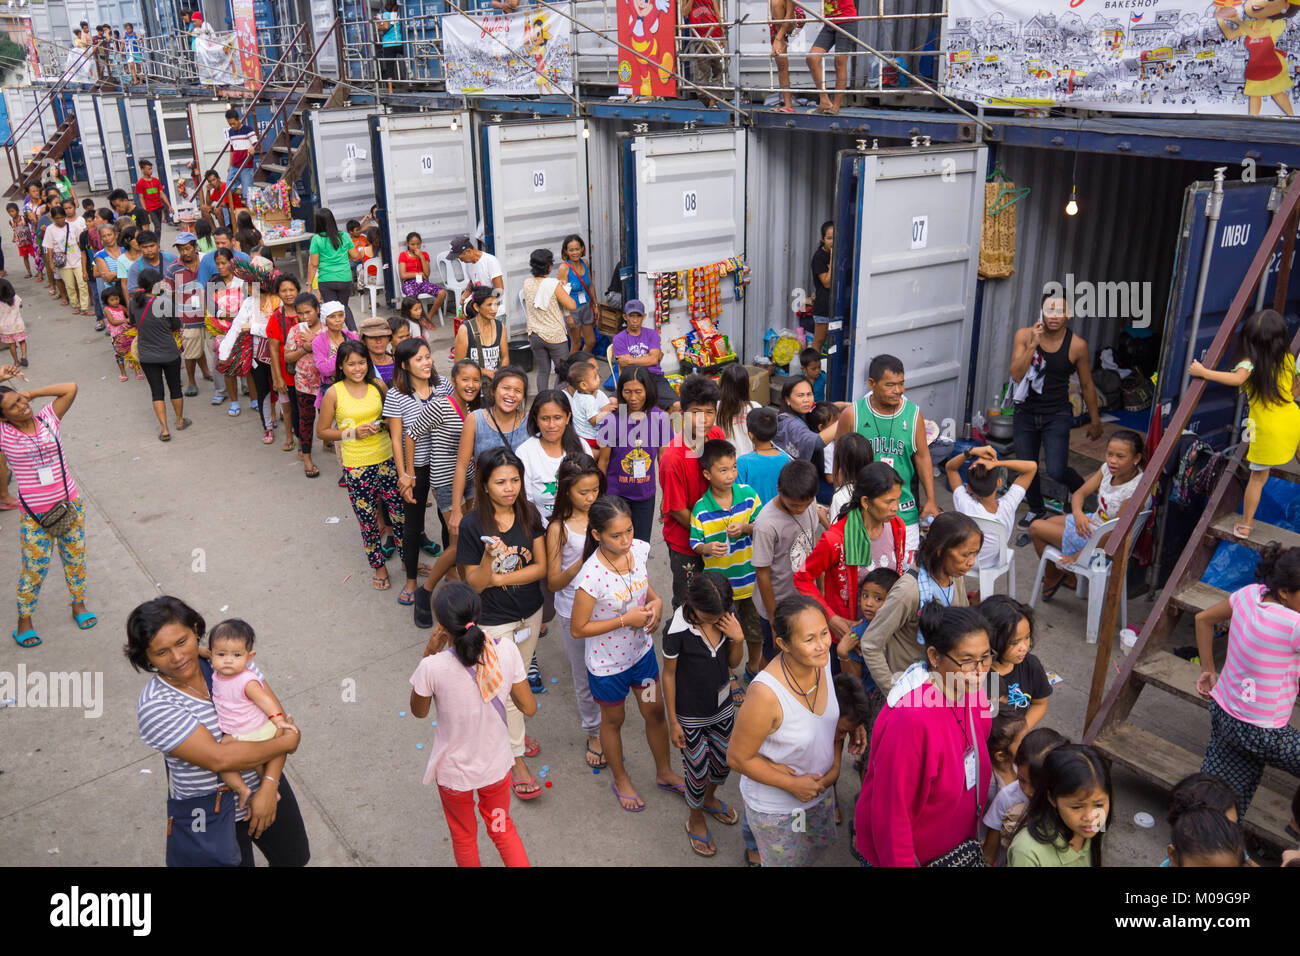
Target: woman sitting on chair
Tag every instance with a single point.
(1113, 484)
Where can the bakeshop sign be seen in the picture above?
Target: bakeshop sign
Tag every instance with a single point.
(1149, 56)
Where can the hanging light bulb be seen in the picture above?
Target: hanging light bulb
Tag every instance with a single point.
(1072, 207)
(455, 123)
(586, 133)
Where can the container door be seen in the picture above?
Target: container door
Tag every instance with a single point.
(535, 194)
(92, 145)
(175, 143)
(108, 112)
(341, 161)
(684, 208)
(1244, 217)
(916, 256)
(424, 180)
(208, 135)
(139, 126)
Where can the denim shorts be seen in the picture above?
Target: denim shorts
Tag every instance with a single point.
(1071, 541)
(612, 690)
(442, 496)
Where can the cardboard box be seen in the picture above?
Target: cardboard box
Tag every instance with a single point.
(778, 381)
(758, 383)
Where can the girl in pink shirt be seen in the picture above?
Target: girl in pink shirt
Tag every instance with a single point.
(1252, 700)
(471, 676)
(929, 769)
(246, 708)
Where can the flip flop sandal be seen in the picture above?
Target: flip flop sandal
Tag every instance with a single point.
(185, 423)
(623, 796)
(531, 749)
(314, 473)
(380, 584)
(85, 620)
(602, 762)
(1049, 590)
(28, 638)
(737, 693)
(726, 815)
(164, 436)
(9, 506)
(1237, 532)
(425, 570)
(525, 795)
(409, 595)
(744, 855)
(701, 844)
(290, 443)
(679, 789)
(191, 391)
(783, 109)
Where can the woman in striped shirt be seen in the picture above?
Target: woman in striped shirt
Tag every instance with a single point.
(443, 420)
(1252, 700)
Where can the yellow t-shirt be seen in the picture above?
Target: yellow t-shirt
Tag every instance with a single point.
(1273, 430)
(349, 413)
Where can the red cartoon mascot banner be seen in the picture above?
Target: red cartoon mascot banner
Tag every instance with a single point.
(647, 55)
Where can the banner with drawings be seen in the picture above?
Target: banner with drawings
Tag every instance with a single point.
(1150, 56)
(517, 54)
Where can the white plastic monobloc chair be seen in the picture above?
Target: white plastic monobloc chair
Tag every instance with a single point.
(372, 279)
(454, 278)
(1092, 568)
(988, 577)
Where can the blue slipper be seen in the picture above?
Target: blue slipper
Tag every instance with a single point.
(85, 620)
(726, 814)
(701, 844)
(679, 789)
(28, 638)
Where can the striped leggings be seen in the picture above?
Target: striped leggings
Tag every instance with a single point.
(704, 759)
(1238, 752)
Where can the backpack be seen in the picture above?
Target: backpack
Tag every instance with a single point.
(1209, 475)
(1183, 491)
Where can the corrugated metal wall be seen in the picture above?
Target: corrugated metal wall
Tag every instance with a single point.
(1126, 230)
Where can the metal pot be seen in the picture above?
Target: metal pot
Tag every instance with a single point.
(1000, 427)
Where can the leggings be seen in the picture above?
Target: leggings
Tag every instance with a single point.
(261, 376)
(494, 805)
(1238, 752)
(306, 418)
(643, 517)
(704, 759)
(339, 292)
(38, 549)
(155, 372)
(368, 487)
(588, 709)
(291, 403)
(284, 842)
(546, 354)
(414, 525)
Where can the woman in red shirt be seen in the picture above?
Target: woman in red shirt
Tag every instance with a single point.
(413, 269)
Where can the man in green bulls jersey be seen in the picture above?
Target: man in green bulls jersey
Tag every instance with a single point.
(896, 430)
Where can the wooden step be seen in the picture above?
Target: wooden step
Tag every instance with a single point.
(281, 148)
(1198, 597)
(1261, 535)
(1164, 764)
(275, 168)
(1288, 472)
(1171, 673)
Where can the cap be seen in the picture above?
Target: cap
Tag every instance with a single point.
(459, 244)
(330, 307)
(196, 17)
(184, 238)
(635, 307)
(374, 326)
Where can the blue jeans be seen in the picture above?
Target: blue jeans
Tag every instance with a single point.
(1049, 434)
(245, 175)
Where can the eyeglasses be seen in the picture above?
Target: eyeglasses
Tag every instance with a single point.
(970, 667)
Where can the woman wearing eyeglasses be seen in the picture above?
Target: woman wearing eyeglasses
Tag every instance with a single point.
(928, 776)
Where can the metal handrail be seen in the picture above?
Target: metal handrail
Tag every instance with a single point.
(47, 97)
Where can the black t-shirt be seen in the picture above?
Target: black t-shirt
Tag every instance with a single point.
(703, 677)
(821, 262)
(1026, 683)
(505, 604)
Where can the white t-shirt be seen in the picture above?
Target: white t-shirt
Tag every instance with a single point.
(740, 432)
(1004, 800)
(839, 500)
(584, 406)
(483, 272)
(828, 460)
(539, 475)
(616, 651)
(968, 504)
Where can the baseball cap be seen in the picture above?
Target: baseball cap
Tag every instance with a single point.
(459, 244)
(374, 326)
(635, 307)
(184, 238)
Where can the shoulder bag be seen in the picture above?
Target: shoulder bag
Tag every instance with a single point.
(59, 520)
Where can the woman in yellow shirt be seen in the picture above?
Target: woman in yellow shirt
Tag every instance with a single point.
(352, 412)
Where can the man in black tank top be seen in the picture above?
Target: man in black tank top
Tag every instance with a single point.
(1042, 360)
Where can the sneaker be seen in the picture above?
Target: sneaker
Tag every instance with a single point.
(1029, 518)
(535, 683)
(423, 609)
(191, 391)
(218, 398)
(234, 409)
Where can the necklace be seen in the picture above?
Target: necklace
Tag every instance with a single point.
(625, 577)
(188, 688)
(799, 690)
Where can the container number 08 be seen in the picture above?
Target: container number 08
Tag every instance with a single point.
(690, 203)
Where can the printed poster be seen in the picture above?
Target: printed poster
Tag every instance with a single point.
(1150, 56)
(246, 34)
(33, 58)
(517, 54)
(647, 53)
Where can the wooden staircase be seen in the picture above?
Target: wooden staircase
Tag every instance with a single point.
(286, 156)
(1150, 664)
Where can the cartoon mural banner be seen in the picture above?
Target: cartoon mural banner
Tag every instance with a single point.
(518, 54)
(1150, 56)
(647, 54)
(246, 33)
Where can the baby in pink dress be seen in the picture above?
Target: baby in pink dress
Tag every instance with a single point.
(246, 708)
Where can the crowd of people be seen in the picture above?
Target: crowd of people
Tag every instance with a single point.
(818, 612)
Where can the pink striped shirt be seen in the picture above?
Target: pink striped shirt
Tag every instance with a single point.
(1258, 683)
(28, 454)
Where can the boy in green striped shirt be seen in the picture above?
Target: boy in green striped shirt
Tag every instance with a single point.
(722, 533)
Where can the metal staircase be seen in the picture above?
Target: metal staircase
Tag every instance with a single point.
(1110, 728)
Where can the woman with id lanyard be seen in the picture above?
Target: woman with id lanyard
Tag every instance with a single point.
(575, 271)
(51, 504)
(501, 553)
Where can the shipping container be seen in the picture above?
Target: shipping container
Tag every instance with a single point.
(110, 114)
(93, 148)
(341, 168)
